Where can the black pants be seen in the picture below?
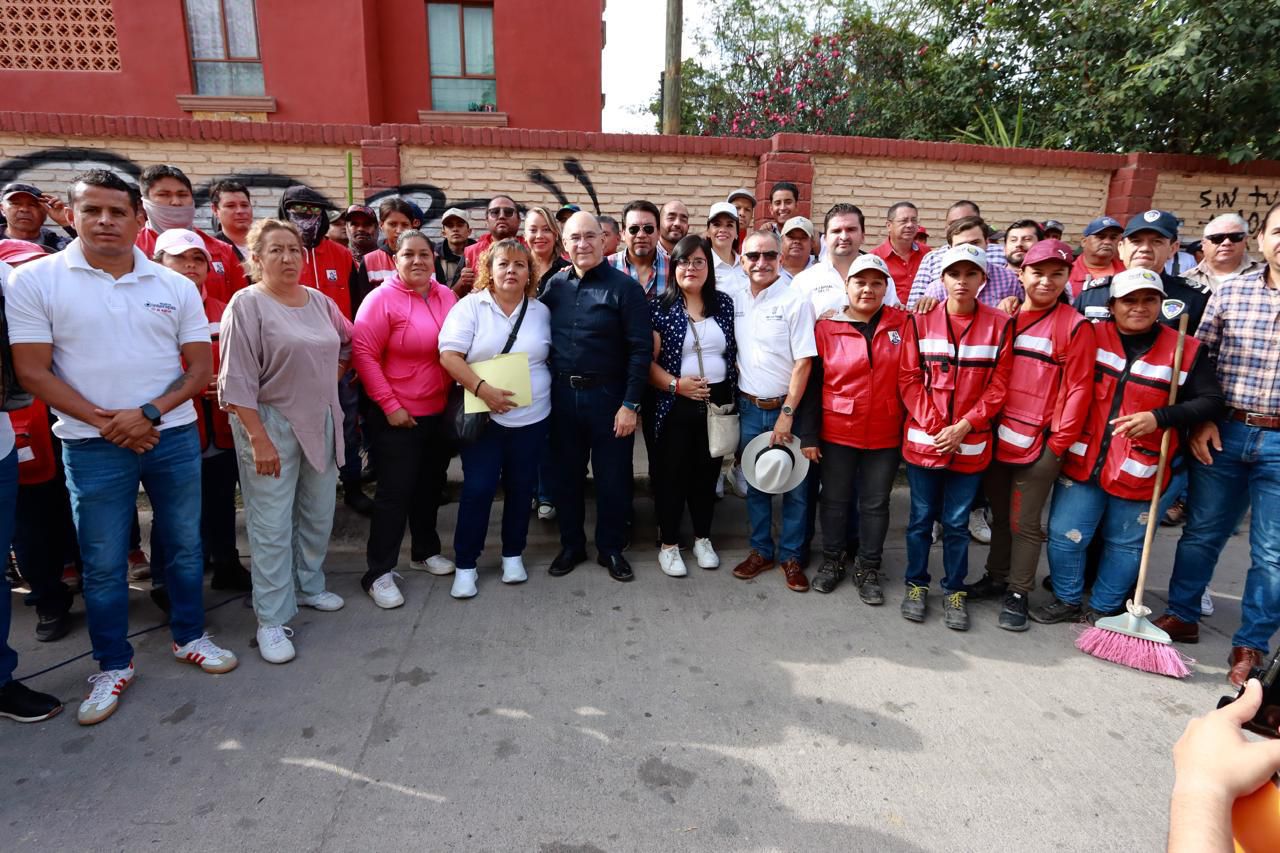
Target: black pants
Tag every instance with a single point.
(683, 471)
(42, 540)
(412, 464)
(872, 472)
(582, 431)
(218, 476)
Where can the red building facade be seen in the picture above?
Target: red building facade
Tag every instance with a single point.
(509, 63)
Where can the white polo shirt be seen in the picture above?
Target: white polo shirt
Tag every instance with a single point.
(773, 330)
(117, 342)
(825, 289)
(477, 328)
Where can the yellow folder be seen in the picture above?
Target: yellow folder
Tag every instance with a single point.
(509, 372)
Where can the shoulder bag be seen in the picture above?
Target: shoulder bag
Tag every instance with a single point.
(468, 428)
(722, 421)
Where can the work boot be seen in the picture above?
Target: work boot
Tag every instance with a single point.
(955, 615)
(986, 588)
(916, 602)
(866, 576)
(830, 574)
(1056, 611)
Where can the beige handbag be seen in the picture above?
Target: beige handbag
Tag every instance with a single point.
(722, 421)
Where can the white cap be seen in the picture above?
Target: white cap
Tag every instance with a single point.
(1129, 281)
(453, 213)
(774, 470)
(722, 207)
(870, 262)
(803, 224)
(967, 252)
(741, 191)
(179, 241)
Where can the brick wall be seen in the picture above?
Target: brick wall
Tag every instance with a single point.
(1199, 197)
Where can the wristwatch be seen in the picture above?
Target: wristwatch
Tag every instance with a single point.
(787, 410)
(673, 385)
(635, 407)
(151, 413)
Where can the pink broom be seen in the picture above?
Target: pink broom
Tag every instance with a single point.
(1130, 639)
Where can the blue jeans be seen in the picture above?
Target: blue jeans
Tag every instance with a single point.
(506, 455)
(582, 431)
(1078, 512)
(8, 504)
(752, 421)
(103, 481)
(938, 494)
(1246, 472)
(547, 475)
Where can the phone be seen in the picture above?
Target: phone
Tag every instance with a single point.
(1267, 721)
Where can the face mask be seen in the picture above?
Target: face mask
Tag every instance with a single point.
(163, 217)
(313, 227)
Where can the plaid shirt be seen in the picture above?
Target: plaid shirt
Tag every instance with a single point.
(931, 271)
(1002, 282)
(1241, 330)
(658, 280)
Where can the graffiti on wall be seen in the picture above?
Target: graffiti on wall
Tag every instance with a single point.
(1252, 204)
(265, 186)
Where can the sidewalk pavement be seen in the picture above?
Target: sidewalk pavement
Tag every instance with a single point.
(577, 715)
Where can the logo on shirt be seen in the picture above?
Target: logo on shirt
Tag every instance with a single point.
(160, 308)
(332, 275)
(895, 338)
(218, 267)
(1172, 308)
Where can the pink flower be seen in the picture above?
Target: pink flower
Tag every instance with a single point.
(800, 105)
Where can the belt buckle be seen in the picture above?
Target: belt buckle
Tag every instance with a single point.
(576, 381)
(1250, 422)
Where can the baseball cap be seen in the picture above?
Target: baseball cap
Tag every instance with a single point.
(177, 241)
(1162, 222)
(570, 207)
(1048, 250)
(799, 222)
(1129, 281)
(870, 262)
(964, 252)
(362, 209)
(14, 252)
(722, 207)
(16, 188)
(1102, 223)
(922, 231)
(453, 213)
(741, 191)
(1052, 225)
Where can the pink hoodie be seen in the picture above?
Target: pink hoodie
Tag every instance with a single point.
(395, 348)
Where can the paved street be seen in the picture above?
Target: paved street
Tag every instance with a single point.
(577, 715)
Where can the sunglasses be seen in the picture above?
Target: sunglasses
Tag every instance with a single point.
(1219, 239)
(636, 229)
(501, 211)
(306, 209)
(755, 256)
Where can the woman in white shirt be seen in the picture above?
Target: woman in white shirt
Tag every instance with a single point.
(478, 329)
(722, 231)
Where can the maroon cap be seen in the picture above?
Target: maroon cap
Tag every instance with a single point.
(1049, 250)
(360, 208)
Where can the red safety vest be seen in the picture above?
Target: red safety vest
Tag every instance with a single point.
(956, 373)
(34, 442)
(860, 403)
(207, 411)
(1034, 405)
(1125, 467)
(327, 268)
(226, 275)
(380, 266)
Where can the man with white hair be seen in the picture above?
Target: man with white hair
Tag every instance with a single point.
(1225, 253)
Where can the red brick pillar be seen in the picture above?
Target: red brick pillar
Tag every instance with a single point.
(784, 166)
(1133, 187)
(379, 165)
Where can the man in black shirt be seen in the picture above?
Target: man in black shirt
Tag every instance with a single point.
(601, 347)
(1150, 239)
(25, 208)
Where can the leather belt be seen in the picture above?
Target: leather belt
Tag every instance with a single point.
(1255, 419)
(767, 404)
(579, 381)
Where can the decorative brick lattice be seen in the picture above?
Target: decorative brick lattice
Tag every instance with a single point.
(58, 35)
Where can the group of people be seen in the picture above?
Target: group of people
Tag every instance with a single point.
(766, 355)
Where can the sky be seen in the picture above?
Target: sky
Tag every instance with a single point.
(634, 56)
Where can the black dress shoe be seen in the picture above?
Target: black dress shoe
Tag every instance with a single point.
(51, 628)
(619, 568)
(986, 588)
(357, 500)
(565, 562)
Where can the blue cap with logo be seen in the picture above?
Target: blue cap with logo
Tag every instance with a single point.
(1102, 223)
(1160, 221)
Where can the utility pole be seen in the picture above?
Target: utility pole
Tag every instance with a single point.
(671, 78)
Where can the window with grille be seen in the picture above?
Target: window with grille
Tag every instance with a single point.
(223, 40)
(461, 41)
(58, 35)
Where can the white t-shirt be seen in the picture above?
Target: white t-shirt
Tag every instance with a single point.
(730, 278)
(477, 328)
(825, 289)
(772, 330)
(117, 342)
(713, 347)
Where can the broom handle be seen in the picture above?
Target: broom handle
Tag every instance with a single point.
(1165, 440)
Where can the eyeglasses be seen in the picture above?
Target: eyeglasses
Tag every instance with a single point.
(633, 230)
(1218, 239)
(755, 256)
(501, 211)
(694, 263)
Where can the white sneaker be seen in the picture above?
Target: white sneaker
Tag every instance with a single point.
(546, 512)
(937, 531)
(322, 601)
(513, 570)
(671, 563)
(739, 481)
(385, 593)
(978, 527)
(206, 654)
(1206, 602)
(104, 697)
(437, 565)
(274, 644)
(706, 555)
(464, 584)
